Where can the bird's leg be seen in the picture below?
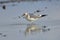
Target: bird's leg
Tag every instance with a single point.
(32, 23)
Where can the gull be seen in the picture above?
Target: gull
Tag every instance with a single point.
(32, 17)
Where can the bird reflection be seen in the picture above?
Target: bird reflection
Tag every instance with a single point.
(32, 28)
(35, 28)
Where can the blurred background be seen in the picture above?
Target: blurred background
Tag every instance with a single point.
(10, 24)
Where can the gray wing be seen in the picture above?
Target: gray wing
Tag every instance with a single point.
(34, 16)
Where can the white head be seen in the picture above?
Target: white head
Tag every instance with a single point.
(25, 14)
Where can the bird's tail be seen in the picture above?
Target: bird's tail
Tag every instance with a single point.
(43, 15)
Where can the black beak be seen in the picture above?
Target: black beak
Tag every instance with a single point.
(43, 15)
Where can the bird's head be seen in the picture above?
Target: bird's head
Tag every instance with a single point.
(25, 14)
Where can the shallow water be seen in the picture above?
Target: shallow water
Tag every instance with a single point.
(10, 24)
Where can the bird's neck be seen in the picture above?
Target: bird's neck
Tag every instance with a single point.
(28, 16)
